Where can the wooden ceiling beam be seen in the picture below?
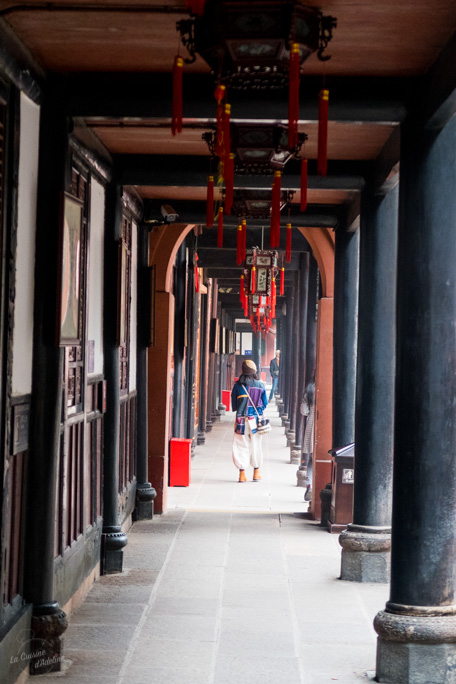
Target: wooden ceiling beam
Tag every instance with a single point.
(360, 99)
(192, 171)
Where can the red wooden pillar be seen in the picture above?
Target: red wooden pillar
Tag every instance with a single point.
(164, 243)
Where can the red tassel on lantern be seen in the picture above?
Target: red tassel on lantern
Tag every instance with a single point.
(239, 258)
(288, 244)
(293, 96)
(226, 130)
(229, 182)
(197, 283)
(273, 298)
(241, 290)
(210, 202)
(220, 228)
(303, 184)
(244, 238)
(195, 6)
(275, 210)
(219, 147)
(176, 122)
(322, 163)
(252, 283)
(282, 281)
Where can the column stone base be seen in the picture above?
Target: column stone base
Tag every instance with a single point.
(295, 454)
(112, 542)
(145, 495)
(201, 438)
(208, 425)
(291, 438)
(46, 646)
(413, 649)
(365, 554)
(301, 476)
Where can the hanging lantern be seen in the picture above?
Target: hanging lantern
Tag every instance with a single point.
(260, 293)
(322, 162)
(282, 281)
(176, 122)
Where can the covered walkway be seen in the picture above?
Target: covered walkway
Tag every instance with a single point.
(232, 585)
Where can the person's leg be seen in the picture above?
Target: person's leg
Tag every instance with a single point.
(241, 454)
(256, 454)
(308, 492)
(275, 382)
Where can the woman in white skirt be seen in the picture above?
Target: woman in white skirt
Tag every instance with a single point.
(247, 441)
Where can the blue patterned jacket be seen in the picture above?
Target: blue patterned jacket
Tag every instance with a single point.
(240, 401)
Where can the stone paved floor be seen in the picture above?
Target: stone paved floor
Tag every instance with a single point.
(231, 586)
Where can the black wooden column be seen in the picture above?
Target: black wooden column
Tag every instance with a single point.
(311, 352)
(346, 271)
(113, 539)
(180, 271)
(145, 493)
(294, 366)
(256, 351)
(201, 439)
(301, 323)
(366, 544)
(286, 358)
(417, 630)
(206, 377)
(48, 621)
(311, 326)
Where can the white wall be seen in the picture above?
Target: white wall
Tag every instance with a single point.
(133, 312)
(25, 256)
(95, 276)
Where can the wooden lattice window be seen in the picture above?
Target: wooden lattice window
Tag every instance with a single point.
(74, 355)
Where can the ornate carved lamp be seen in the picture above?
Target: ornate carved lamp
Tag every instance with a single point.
(258, 289)
(247, 44)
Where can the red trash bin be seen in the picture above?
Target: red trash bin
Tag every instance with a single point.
(179, 462)
(226, 399)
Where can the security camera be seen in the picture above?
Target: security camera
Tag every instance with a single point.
(168, 213)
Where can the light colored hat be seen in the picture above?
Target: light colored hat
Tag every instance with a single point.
(248, 367)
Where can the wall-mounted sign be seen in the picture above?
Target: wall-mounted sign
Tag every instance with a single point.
(348, 475)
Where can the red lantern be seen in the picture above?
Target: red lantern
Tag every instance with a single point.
(282, 281)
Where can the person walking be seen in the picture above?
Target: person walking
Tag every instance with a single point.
(248, 394)
(308, 410)
(274, 369)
